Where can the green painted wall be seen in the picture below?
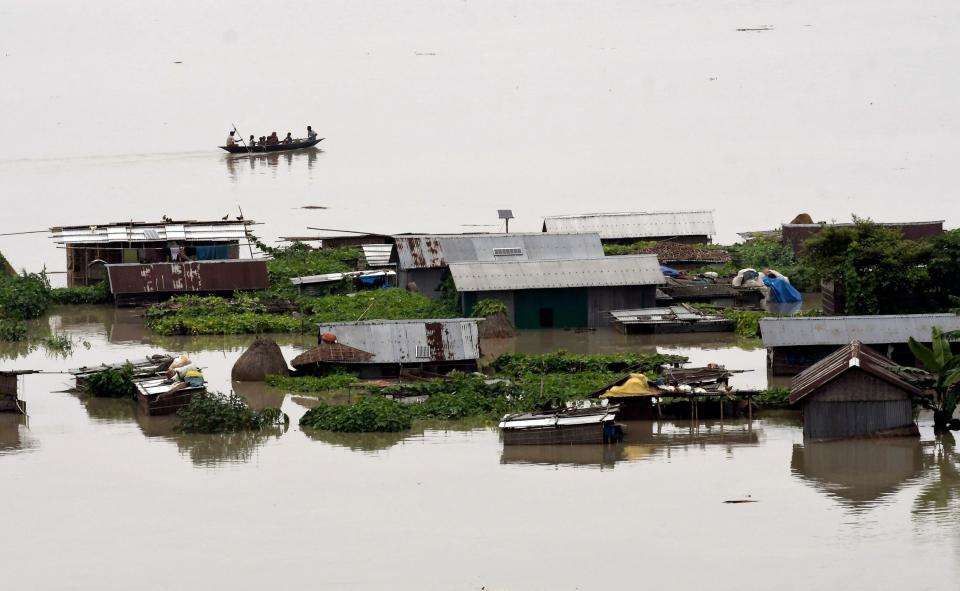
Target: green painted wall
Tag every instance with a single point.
(534, 307)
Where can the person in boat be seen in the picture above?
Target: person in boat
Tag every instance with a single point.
(231, 141)
(252, 141)
(263, 140)
(288, 139)
(311, 134)
(273, 139)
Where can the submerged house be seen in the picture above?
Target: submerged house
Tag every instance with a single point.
(383, 348)
(689, 227)
(91, 248)
(795, 343)
(561, 293)
(853, 393)
(423, 260)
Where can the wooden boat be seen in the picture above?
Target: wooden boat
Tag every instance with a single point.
(152, 366)
(154, 397)
(297, 145)
(567, 426)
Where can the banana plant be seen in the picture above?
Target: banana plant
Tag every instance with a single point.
(939, 360)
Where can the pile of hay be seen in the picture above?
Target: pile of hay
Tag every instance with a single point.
(496, 326)
(261, 359)
(5, 267)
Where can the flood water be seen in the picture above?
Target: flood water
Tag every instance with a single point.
(99, 497)
(437, 113)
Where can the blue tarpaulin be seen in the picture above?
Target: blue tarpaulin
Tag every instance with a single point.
(213, 253)
(781, 291)
(669, 272)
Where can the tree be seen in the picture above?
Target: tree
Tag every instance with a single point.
(882, 272)
(944, 266)
(940, 362)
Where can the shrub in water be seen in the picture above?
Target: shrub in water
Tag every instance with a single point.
(210, 412)
(112, 383)
(369, 414)
(12, 329)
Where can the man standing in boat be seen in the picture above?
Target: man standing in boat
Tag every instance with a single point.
(230, 140)
(311, 134)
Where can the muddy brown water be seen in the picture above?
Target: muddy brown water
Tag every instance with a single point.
(96, 496)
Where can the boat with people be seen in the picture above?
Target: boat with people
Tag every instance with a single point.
(571, 425)
(269, 143)
(258, 149)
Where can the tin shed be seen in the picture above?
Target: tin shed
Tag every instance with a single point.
(854, 393)
(381, 348)
(561, 293)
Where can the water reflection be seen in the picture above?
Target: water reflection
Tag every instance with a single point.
(14, 433)
(859, 472)
(939, 496)
(237, 164)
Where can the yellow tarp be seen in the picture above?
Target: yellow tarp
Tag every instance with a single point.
(636, 385)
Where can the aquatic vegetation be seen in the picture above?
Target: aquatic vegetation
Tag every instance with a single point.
(334, 381)
(113, 383)
(58, 343)
(211, 412)
(747, 322)
(247, 314)
(488, 307)
(561, 361)
(368, 414)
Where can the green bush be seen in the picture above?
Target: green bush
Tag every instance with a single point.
(211, 412)
(93, 294)
(12, 329)
(113, 383)
(368, 414)
(488, 307)
(773, 397)
(377, 304)
(24, 296)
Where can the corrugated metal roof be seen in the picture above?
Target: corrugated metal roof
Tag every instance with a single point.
(854, 355)
(377, 255)
(141, 232)
(641, 269)
(439, 250)
(410, 341)
(635, 225)
(842, 330)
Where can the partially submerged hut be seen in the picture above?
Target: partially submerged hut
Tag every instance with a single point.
(794, 344)
(423, 259)
(853, 393)
(383, 348)
(91, 247)
(561, 293)
(690, 227)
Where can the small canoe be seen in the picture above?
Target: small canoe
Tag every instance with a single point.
(298, 145)
(568, 426)
(157, 397)
(148, 367)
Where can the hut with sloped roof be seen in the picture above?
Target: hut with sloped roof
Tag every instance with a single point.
(854, 392)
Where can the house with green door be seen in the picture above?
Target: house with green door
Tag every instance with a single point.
(566, 293)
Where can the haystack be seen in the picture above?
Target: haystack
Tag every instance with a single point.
(5, 267)
(496, 326)
(261, 359)
(803, 218)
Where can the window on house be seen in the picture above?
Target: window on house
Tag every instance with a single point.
(507, 252)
